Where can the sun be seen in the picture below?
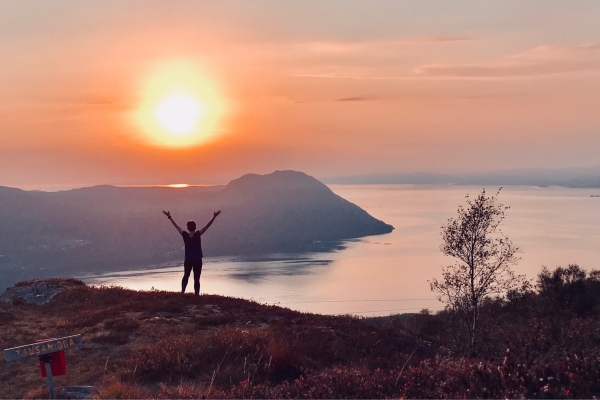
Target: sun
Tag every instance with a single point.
(180, 106)
(179, 114)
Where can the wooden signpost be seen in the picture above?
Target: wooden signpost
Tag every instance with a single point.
(49, 352)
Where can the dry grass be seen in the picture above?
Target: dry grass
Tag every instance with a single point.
(120, 390)
(160, 340)
(162, 345)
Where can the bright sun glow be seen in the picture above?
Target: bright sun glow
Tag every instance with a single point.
(179, 114)
(180, 106)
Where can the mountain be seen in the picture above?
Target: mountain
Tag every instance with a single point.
(104, 228)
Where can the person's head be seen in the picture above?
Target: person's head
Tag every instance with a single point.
(191, 225)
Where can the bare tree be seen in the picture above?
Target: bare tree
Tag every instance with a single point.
(484, 256)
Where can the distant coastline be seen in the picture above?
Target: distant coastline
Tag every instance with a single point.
(565, 177)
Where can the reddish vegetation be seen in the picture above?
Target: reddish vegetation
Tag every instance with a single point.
(164, 345)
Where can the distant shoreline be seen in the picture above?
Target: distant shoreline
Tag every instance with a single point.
(568, 178)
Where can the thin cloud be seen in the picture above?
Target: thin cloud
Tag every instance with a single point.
(89, 100)
(342, 75)
(354, 99)
(341, 47)
(95, 103)
(435, 39)
(541, 61)
(589, 46)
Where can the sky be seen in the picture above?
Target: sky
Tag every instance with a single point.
(199, 92)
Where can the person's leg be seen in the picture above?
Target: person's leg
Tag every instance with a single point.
(187, 269)
(197, 272)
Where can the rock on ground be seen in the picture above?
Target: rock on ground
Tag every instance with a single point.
(35, 292)
(78, 392)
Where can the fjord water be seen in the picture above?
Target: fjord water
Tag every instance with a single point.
(388, 274)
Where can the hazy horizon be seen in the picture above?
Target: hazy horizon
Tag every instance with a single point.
(153, 92)
(541, 177)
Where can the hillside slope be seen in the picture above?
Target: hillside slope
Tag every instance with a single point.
(161, 340)
(164, 345)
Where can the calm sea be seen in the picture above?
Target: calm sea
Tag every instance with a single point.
(388, 274)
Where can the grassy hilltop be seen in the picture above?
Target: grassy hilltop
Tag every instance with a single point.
(164, 345)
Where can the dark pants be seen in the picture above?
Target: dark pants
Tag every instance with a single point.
(187, 269)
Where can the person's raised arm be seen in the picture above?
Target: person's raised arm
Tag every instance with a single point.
(168, 214)
(216, 213)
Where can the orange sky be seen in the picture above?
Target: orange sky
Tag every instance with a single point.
(329, 88)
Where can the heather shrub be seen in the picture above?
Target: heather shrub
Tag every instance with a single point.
(88, 319)
(213, 320)
(560, 316)
(116, 338)
(199, 354)
(122, 324)
(37, 393)
(182, 391)
(270, 355)
(437, 378)
(6, 317)
(119, 390)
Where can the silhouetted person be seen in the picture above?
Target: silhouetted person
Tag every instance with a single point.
(193, 250)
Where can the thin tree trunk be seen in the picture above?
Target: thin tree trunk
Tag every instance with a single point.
(473, 306)
(474, 326)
